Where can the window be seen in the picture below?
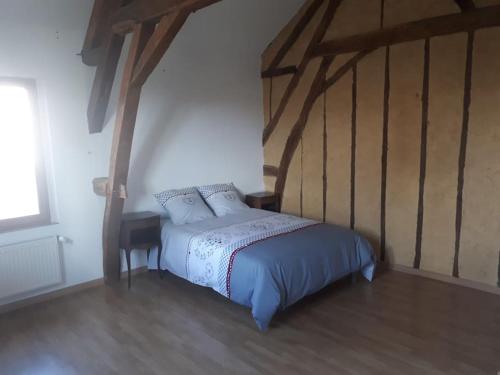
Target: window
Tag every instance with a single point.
(23, 184)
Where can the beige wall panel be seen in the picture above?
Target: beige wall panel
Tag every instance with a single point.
(446, 92)
(354, 17)
(273, 48)
(275, 146)
(269, 182)
(313, 163)
(403, 167)
(481, 212)
(370, 113)
(291, 194)
(296, 53)
(402, 11)
(480, 241)
(338, 115)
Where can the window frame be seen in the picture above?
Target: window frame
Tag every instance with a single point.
(44, 217)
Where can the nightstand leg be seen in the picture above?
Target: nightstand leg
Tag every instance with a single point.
(127, 253)
(159, 258)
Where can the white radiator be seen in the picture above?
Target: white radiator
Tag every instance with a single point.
(28, 266)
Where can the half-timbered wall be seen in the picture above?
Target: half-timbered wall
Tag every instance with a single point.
(405, 145)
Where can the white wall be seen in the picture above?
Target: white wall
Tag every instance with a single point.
(200, 119)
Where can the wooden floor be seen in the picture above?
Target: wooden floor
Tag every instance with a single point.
(400, 324)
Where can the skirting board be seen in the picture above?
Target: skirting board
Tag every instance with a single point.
(446, 279)
(62, 292)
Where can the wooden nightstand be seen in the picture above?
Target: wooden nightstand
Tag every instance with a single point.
(140, 231)
(264, 201)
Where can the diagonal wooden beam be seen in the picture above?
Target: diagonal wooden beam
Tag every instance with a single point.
(436, 26)
(295, 34)
(120, 154)
(158, 44)
(317, 37)
(152, 10)
(298, 129)
(344, 69)
(317, 88)
(466, 5)
(145, 52)
(103, 82)
(276, 72)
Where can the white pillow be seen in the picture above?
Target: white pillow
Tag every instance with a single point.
(223, 199)
(184, 206)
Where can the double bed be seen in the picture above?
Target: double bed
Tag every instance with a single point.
(263, 260)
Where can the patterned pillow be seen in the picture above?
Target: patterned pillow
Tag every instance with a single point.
(223, 199)
(184, 206)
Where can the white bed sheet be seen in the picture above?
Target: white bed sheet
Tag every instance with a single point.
(175, 238)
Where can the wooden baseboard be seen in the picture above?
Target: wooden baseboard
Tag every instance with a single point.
(445, 278)
(61, 292)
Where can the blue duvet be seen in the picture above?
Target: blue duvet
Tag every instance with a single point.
(271, 275)
(263, 260)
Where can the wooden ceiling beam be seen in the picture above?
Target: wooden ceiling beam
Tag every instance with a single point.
(103, 82)
(157, 45)
(408, 32)
(97, 30)
(139, 11)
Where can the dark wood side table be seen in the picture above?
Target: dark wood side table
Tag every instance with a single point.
(140, 231)
(264, 201)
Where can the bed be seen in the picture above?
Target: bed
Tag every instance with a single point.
(263, 260)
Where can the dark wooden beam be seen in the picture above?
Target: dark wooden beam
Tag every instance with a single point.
(443, 25)
(152, 10)
(120, 154)
(294, 82)
(298, 129)
(466, 5)
(147, 47)
(462, 158)
(276, 72)
(158, 44)
(97, 30)
(318, 87)
(92, 57)
(344, 69)
(103, 83)
(270, 170)
(295, 34)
